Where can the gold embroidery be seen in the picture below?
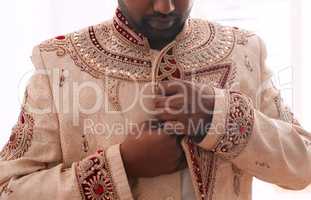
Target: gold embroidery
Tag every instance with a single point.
(203, 169)
(94, 178)
(20, 139)
(239, 126)
(88, 49)
(99, 52)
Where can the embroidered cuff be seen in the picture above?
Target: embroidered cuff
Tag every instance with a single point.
(102, 176)
(232, 124)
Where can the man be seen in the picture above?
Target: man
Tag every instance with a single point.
(115, 108)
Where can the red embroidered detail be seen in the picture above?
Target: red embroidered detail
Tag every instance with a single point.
(242, 130)
(20, 139)
(99, 189)
(122, 26)
(168, 68)
(94, 178)
(114, 55)
(61, 37)
(239, 126)
(203, 168)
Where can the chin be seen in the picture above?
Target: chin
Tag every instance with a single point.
(162, 34)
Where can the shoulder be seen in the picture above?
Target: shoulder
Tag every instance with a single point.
(62, 46)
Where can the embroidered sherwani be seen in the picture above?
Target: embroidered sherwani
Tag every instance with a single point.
(66, 142)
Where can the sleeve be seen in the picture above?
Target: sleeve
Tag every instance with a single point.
(31, 163)
(267, 142)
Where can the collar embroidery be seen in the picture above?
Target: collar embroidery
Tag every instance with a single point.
(111, 50)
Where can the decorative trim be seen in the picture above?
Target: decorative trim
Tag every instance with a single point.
(220, 76)
(239, 127)
(94, 178)
(285, 114)
(203, 169)
(20, 139)
(121, 25)
(100, 52)
(236, 179)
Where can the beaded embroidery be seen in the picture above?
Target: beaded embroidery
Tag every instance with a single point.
(239, 127)
(114, 50)
(94, 178)
(203, 168)
(20, 139)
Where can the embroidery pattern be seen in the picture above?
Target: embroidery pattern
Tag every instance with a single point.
(203, 168)
(167, 67)
(114, 50)
(242, 36)
(221, 75)
(20, 139)
(239, 127)
(284, 111)
(94, 178)
(248, 64)
(236, 179)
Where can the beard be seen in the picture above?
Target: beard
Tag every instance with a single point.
(157, 26)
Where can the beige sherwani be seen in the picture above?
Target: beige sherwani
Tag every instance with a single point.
(66, 142)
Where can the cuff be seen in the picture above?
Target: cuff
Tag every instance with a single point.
(217, 127)
(118, 172)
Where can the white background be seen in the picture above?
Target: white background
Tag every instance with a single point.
(283, 24)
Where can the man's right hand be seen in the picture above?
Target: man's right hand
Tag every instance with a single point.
(151, 152)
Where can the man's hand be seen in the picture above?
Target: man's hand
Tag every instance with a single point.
(150, 152)
(185, 106)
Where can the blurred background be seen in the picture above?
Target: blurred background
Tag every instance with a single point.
(283, 24)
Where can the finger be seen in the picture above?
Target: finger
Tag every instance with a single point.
(164, 115)
(169, 88)
(175, 101)
(174, 128)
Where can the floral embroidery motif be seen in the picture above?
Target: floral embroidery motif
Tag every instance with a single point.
(167, 67)
(20, 139)
(114, 50)
(94, 178)
(248, 64)
(236, 179)
(203, 168)
(285, 113)
(242, 36)
(239, 126)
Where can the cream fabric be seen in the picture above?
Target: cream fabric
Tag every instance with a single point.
(68, 154)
